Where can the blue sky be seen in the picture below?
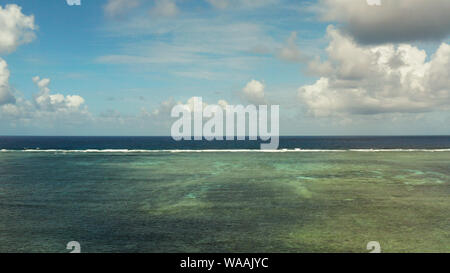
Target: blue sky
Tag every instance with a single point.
(128, 61)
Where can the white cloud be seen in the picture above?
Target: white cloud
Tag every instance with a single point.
(55, 102)
(165, 8)
(15, 28)
(46, 109)
(117, 8)
(253, 92)
(392, 21)
(290, 52)
(5, 93)
(377, 79)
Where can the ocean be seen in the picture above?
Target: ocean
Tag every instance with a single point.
(155, 195)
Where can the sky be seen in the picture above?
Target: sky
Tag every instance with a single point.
(117, 67)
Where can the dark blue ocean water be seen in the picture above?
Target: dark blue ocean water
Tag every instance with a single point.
(167, 143)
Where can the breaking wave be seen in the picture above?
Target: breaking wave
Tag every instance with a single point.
(298, 150)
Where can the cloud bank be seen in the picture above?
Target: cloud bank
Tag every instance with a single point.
(359, 79)
(17, 29)
(46, 108)
(393, 21)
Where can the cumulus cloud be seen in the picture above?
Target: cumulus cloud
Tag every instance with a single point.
(45, 109)
(290, 52)
(44, 100)
(15, 28)
(377, 79)
(391, 21)
(117, 8)
(165, 8)
(5, 93)
(253, 92)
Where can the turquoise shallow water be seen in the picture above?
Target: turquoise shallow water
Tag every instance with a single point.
(225, 202)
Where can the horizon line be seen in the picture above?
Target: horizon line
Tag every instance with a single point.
(162, 136)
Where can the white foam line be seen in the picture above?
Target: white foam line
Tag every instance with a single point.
(399, 150)
(223, 151)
